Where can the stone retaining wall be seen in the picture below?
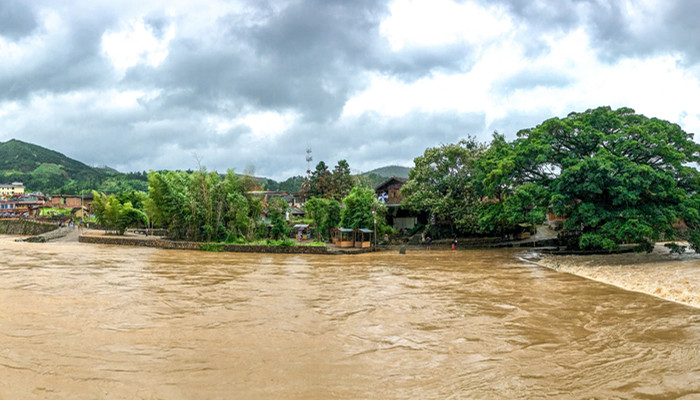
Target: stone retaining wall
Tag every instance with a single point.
(24, 227)
(178, 245)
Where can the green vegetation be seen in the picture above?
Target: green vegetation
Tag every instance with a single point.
(277, 210)
(50, 212)
(329, 185)
(203, 206)
(359, 209)
(48, 171)
(116, 216)
(615, 176)
(389, 171)
(326, 190)
(291, 185)
(443, 182)
(325, 214)
(215, 247)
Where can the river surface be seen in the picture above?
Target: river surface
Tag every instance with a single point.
(89, 321)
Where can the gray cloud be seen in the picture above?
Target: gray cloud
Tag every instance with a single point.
(673, 28)
(17, 19)
(65, 63)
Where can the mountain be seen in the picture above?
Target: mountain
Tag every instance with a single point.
(379, 175)
(22, 157)
(48, 171)
(51, 172)
(390, 170)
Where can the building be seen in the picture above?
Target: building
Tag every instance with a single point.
(74, 202)
(7, 208)
(399, 218)
(12, 189)
(25, 205)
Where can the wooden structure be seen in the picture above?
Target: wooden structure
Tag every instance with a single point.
(399, 218)
(389, 191)
(343, 237)
(302, 231)
(363, 238)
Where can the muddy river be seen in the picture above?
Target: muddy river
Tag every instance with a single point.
(88, 322)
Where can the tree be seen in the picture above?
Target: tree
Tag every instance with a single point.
(320, 184)
(442, 182)
(277, 209)
(116, 216)
(202, 206)
(341, 181)
(505, 206)
(359, 209)
(617, 176)
(325, 213)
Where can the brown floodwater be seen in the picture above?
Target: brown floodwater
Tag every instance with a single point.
(87, 322)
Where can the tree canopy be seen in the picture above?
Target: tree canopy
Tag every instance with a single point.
(442, 181)
(203, 206)
(117, 216)
(616, 176)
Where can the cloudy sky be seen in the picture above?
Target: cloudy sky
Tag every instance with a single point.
(160, 84)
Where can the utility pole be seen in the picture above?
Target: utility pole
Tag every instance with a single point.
(374, 214)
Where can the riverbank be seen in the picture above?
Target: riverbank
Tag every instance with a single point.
(98, 237)
(661, 274)
(23, 227)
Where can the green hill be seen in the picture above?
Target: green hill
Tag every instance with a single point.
(19, 156)
(51, 172)
(391, 170)
(379, 175)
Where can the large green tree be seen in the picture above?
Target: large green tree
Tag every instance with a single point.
(617, 176)
(442, 182)
(505, 205)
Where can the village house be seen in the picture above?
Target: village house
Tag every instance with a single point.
(294, 210)
(24, 205)
(399, 218)
(73, 202)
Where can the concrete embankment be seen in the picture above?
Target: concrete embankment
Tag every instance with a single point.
(22, 227)
(64, 234)
(181, 245)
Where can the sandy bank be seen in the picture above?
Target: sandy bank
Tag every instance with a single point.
(668, 276)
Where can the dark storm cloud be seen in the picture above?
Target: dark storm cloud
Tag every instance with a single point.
(672, 28)
(306, 57)
(65, 63)
(309, 57)
(17, 19)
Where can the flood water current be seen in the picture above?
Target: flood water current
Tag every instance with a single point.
(89, 321)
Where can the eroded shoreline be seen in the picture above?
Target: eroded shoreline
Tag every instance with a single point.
(661, 274)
